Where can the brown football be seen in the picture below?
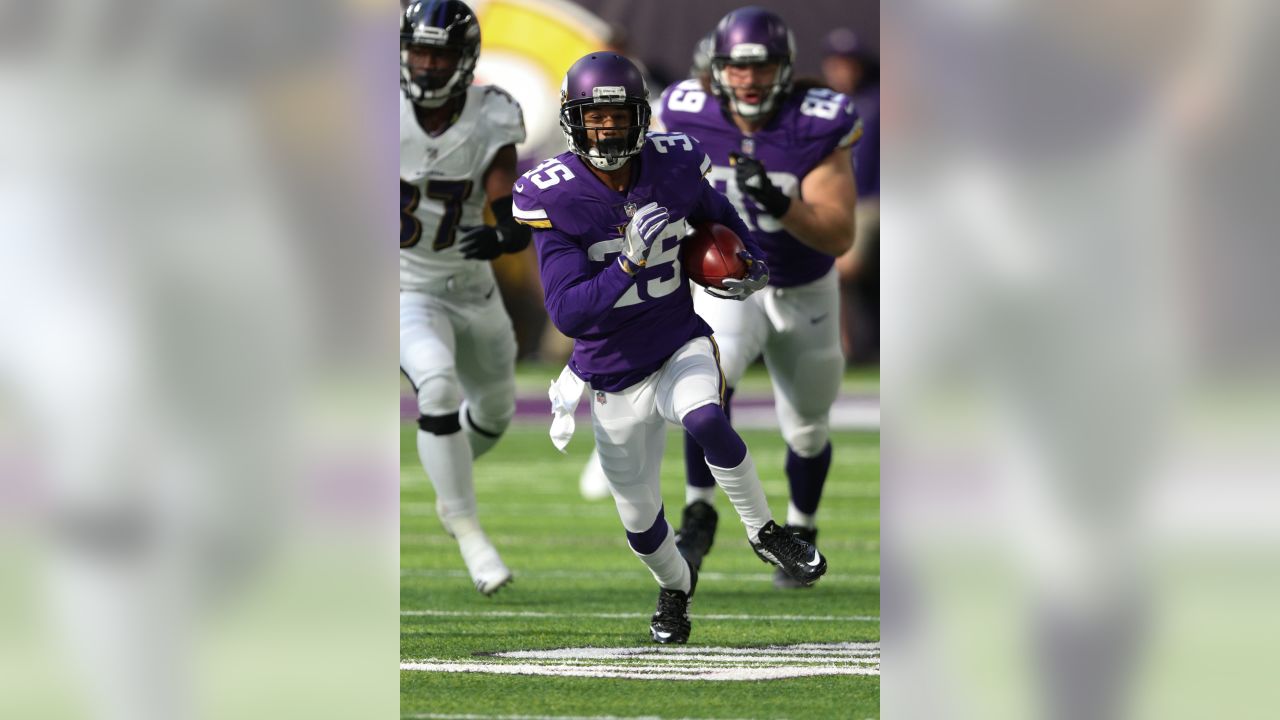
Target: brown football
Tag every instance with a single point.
(710, 255)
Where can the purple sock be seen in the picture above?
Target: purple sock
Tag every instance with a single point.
(710, 429)
(806, 477)
(648, 542)
(696, 472)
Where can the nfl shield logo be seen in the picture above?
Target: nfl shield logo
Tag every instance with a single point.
(600, 398)
(630, 209)
(748, 147)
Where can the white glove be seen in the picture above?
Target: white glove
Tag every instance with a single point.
(756, 280)
(645, 227)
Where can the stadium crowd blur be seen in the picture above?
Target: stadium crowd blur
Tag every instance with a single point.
(828, 53)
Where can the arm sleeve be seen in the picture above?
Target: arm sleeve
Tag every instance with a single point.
(517, 234)
(504, 121)
(716, 207)
(845, 131)
(505, 116)
(575, 298)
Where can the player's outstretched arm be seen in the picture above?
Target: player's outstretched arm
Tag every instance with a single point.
(824, 220)
(575, 298)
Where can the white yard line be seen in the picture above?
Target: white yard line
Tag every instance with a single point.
(720, 660)
(775, 653)
(631, 616)
(638, 575)
(637, 672)
(650, 662)
(437, 539)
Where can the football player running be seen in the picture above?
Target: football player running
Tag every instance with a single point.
(781, 156)
(457, 345)
(591, 482)
(609, 216)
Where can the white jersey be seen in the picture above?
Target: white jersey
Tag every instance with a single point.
(447, 171)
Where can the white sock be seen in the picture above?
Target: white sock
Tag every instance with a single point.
(466, 527)
(668, 565)
(799, 519)
(447, 460)
(483, 562)
(742, 486)
(477, 549)
(480, 442)
(706, 494)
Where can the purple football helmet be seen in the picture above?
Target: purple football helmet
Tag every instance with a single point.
(443, 24)
(604, 78)
(752, 36)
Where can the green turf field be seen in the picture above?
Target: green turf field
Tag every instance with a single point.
(578, 585)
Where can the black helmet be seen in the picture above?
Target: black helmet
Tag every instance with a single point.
(438, 24)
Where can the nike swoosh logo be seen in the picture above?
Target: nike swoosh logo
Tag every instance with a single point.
(490, 293)
(817, 558)
(820, 318)
(519, 187)
(663, 635)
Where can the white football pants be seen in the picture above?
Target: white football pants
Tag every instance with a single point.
(798, 331)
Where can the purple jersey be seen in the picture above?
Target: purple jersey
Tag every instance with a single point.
(625, 327)
(866, 156)
(805, 130)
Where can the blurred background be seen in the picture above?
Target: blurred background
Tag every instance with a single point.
(198, 467)
(1079, 383)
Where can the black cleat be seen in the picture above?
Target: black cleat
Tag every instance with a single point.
(670, 624)
(697, 531)
(783, 581)
(795, 557)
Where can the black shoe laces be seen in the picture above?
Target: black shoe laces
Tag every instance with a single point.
(672, 602)
(783, 543)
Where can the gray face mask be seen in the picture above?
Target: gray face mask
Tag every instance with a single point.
(603, 162)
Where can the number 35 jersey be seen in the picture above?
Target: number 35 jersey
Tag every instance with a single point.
(807, 127)
(442, 182)
(625, 328)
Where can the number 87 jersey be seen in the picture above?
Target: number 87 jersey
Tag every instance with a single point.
(442, 184)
